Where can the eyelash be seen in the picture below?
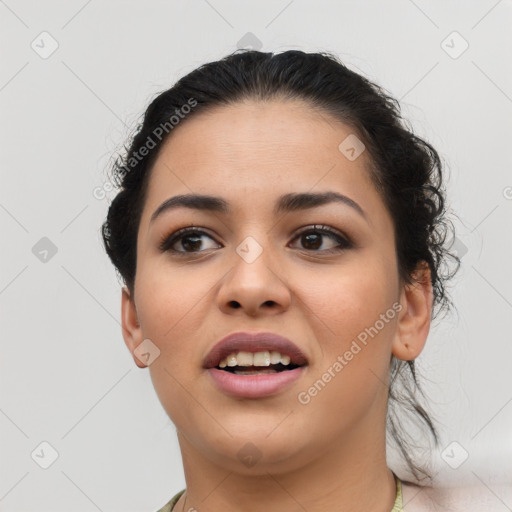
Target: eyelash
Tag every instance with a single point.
(168, 241)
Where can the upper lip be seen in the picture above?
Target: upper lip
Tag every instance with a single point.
(253, 342)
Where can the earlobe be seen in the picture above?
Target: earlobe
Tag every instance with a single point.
(414, 320)
(132, 331)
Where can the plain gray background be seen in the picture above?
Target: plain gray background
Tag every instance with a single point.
(66, 377)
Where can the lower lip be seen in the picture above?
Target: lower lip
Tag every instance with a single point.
(254, 386)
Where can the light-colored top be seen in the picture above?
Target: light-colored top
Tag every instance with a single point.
(397, 507)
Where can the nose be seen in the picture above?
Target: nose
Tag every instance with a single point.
(256, 284)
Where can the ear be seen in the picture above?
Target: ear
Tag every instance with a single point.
(132, 332)
(414, 320)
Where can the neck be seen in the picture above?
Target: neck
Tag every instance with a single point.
(351, 475)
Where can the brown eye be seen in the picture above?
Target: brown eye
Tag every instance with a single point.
(190, 240)
(312, 239)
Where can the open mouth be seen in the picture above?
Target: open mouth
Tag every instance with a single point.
(256, 363)
(258, 370)
(257, 367)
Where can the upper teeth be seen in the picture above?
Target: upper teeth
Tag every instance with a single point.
(265, 358)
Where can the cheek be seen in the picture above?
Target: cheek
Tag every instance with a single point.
(172, 303)
(344, 312)
(353, 343)
(346, 300)
(170, 300)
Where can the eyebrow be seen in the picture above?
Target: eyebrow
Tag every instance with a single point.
(285, 203)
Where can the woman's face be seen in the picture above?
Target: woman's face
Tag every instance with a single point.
(314, 289)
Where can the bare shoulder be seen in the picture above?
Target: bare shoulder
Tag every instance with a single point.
(475, 498)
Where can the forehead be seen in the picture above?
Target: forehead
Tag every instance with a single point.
(253, 151)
